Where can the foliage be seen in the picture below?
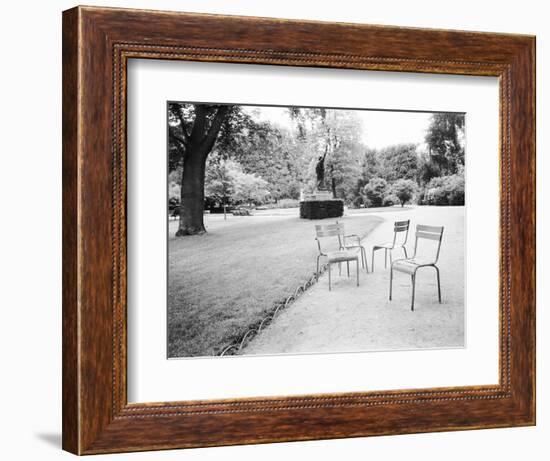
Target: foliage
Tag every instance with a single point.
(241, 211)
(359, 201)
(445, 190)
(283, 203)
(427, 169)
(375, 191)
(445, 139)
(269, 153)
(187, 122)
(404, 190)
(174, 188)
(344, 164)
(219, 183)
(226, 182)
(398, 162)
(390, 200)
(249, 188)
(369, 168)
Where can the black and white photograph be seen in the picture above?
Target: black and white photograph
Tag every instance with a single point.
(302, 230)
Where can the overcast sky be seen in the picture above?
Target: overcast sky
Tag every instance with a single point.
(380, 128)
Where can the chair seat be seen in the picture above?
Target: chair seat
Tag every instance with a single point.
(343, 255)
(410, 265)
(388, 245)
(352, 245)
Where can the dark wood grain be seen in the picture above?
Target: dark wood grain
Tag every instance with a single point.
(70, 385)
(97, 42)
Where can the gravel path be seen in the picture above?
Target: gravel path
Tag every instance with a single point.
(351, 318)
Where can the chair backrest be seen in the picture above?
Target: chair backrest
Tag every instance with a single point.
(434, 233)
(329, 230)
(400, 232)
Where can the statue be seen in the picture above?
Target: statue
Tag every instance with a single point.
(320, 171)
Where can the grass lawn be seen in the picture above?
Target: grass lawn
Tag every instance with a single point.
(225, 280)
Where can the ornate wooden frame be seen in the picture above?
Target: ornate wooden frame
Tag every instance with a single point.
(97, 43)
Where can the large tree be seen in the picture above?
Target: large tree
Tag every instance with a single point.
(270, 152)
(404, 190)
(194, 130)
(375, 191)
(399, 161)
(445, 139)
(344, 164)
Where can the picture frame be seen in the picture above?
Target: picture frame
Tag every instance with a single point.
(97, 44)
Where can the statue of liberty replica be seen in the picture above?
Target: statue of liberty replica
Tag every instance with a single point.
(320, 171)
(321, 203)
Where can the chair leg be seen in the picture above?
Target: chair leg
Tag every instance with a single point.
(385, 258)
(357, 264)
(438, 284)
(391, 259)
(405, 250)
(347, 264)
(413, 277)
(317, 272)
(372, 260)
(339, 268)
(329, 276)
(391, 280)
(364, 256)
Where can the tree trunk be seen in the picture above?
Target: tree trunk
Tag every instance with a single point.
(333, 181)
(192, 195)
(198, 145)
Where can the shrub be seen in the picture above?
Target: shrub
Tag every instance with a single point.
(404, 190)
(241, 211)
(358, 202)
(375, 191)
(421, 199)
(445, 190)
(173, 206)
(287, 203)
(282, 203)
(456, 190)
(390, 200)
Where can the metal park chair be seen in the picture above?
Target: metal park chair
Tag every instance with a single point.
(351, 241)
(411, 265)
(340, 254)
(400, 235)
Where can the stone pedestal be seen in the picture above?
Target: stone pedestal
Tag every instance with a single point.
(321, 205)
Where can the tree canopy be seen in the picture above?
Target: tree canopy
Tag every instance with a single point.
(445, 139)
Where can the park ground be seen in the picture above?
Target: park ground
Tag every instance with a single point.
(225, 281)
(351, 318)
